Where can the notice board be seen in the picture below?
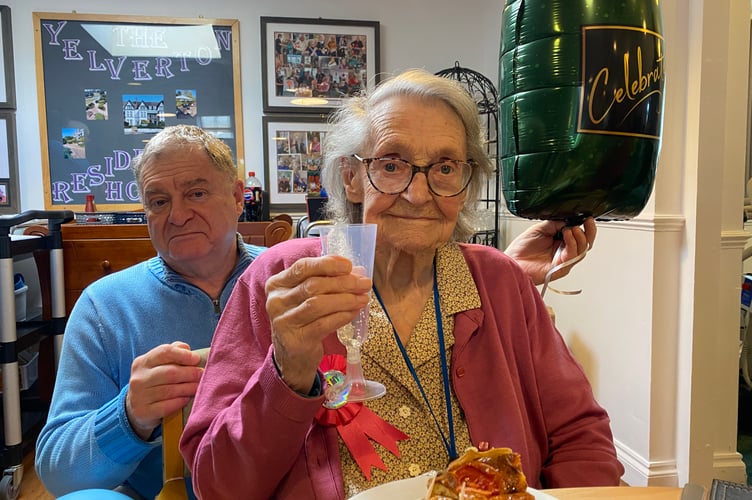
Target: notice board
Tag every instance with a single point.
(106, 84)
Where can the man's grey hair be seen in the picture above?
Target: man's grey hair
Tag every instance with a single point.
(169, 139)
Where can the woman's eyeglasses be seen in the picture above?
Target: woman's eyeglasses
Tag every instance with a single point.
(445, 178)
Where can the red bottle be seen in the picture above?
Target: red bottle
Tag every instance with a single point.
(90, 205)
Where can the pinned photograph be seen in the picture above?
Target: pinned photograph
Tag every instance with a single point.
(95, 102)
(185, 104)
(143, 113)
(74, 143)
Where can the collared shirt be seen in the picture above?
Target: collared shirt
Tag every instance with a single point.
(403, 405)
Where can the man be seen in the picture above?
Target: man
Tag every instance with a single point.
(127, 359)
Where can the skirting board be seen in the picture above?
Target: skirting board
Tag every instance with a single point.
(641, 472)
(729, 466)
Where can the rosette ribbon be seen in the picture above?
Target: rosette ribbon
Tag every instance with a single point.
(358, 426)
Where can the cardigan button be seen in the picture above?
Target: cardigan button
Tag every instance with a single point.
(460, 372)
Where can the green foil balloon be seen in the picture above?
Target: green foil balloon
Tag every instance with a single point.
(581, 90)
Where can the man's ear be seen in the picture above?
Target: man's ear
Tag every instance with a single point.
(351, 177)
(237, 193)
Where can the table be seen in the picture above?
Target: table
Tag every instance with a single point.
(616, 492)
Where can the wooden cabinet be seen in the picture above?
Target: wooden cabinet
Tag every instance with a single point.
(91, 251)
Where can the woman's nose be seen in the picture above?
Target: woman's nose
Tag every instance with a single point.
(417, 193)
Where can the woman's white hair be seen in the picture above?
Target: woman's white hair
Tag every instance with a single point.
(351, 130)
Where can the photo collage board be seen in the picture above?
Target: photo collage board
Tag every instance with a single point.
(310, 66)
(112, 82)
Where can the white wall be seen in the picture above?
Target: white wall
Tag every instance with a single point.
(657, 322)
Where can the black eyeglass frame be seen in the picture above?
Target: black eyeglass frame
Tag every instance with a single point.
(424, 170)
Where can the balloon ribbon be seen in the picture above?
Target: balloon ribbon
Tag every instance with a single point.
(555, 268)
(357, 426)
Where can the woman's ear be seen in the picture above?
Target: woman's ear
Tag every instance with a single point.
(353, 181)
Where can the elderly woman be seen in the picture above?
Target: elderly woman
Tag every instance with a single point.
(459, 334)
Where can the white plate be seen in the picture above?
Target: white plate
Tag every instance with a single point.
(415, 489)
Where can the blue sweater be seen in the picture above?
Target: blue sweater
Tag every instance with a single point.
(87, 441)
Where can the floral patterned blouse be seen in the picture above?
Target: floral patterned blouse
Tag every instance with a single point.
(403, 405)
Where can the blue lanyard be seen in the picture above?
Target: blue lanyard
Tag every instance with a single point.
(450, 444)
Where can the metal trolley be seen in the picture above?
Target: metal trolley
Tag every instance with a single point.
(12, 452)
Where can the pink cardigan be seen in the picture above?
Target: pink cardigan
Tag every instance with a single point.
(517, 382)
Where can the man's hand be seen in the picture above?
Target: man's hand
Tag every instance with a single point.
(535, 248)
(162, 381)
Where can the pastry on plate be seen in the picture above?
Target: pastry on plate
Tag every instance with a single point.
(494, 474)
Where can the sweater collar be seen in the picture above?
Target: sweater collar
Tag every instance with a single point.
(176, 281)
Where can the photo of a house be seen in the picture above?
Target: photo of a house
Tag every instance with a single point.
(143, 113)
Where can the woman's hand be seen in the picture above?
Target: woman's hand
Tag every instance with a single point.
(535, 248)
(306, 302)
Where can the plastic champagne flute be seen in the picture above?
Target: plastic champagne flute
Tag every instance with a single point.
(356, 242)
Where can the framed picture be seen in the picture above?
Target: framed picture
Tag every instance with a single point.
(310, 65)
(109, 83)
(7, 79)
(292, 156)
(8, 163)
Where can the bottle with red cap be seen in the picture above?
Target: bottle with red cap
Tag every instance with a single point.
(253, 196)
(91, 206)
